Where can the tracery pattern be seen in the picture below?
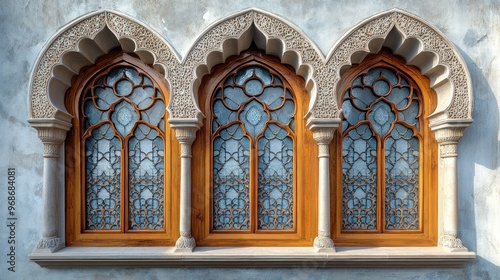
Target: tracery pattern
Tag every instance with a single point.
(253, 120)
(380, 134)
(123, 116)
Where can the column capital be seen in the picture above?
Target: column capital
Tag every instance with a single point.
(323, 129)
(449, 134)
(185, 129)
(52, 132)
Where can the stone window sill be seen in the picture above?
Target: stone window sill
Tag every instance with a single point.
(303, 257)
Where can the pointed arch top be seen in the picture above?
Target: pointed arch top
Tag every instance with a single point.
(79, 44)
(421, 45)
(236, 33)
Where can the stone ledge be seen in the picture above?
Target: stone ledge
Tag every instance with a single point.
(302, 257)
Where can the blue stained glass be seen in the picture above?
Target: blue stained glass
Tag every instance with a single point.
(143, 96)
(104, 97)
(402, 178)
(155, 113)
(363, 97)
(381, 117)
(285, 114)
(124, 117)
(123, 87)
(102, 187)
(254, 117)
(273, 97)
(146, 179)
(400, 97)
(253, 87)
(234, 97)
(231, 178)
(388, 103)
(249, 100)
(135, 107)
(359, 169)
(275, 192)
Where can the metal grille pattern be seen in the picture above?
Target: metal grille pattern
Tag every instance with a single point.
(380, 134)
(253, 121)
(123, 116)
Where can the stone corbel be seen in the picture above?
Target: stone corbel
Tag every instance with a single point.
(447, 136)
(323, 130)
(185, 132)
(52, 132)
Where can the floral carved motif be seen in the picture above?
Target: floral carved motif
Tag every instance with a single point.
(67, 41)
(379, 27)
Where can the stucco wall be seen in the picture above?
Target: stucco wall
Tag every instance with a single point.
(473, 26)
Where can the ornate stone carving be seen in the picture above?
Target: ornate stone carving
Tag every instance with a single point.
(451, 243)
(50, 244)
(449, 135)
(185, 244)
(379, 27)
(323, 242)
(52, 56)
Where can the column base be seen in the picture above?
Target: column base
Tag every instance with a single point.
(323, 244)
(49, 245)
(185, 244)
(451, 243)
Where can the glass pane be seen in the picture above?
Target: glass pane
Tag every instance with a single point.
(124, 117)
(231, 180)
(378, 108)
(359, 170)
(401, 176)
(275, 192)
(102, 173)
(254, 117)
(146, 171)
(252, 103)
(135, 107)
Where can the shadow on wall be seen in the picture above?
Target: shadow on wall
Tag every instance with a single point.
(478, 146)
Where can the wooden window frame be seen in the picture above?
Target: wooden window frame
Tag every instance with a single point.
(76, 235)
(305, 162)
(426, 235)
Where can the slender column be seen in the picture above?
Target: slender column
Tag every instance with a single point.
(448, 191)
(323, 134)
(52, 133)
(185, 134)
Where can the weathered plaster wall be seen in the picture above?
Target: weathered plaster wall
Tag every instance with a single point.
(474, 26)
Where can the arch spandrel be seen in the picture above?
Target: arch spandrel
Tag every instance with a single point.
(421, 45)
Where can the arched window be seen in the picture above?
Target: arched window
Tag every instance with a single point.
(385, 168)
(255, 145)
(119, 184)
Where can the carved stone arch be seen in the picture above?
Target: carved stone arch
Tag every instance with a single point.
(236, 33)
(420, 45)
(79, 44)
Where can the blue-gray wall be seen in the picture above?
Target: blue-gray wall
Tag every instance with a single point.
(473, 26)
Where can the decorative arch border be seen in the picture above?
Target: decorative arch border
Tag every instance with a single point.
(421, 45)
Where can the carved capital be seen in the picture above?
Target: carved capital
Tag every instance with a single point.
(185, 129)
(449, 134)
(52, 132)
